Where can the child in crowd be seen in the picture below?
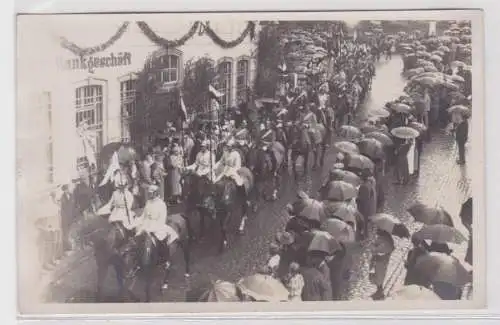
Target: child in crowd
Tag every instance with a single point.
(274, 259)
(294, 282)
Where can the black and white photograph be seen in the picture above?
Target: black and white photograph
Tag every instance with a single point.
(236, 158)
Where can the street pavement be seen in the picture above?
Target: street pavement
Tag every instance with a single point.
(441, 181)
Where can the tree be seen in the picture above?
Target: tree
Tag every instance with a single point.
(198, 76)
(269, 55)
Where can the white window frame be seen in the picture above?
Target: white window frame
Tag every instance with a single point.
(84, 110)
(128, 103)
(164, 74)
(242, 89)
(227, 98)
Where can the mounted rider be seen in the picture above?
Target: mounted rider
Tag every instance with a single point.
(309, 121)
(229, 166)
(267, 139)
(242, 135)
(120, 205)
(204, 162)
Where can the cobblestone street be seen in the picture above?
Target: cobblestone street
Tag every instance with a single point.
(441, 181)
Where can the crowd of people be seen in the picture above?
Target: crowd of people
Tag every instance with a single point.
(312, 257)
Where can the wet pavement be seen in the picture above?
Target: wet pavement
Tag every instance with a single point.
(441, 181)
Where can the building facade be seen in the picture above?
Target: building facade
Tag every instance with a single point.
(58, 90)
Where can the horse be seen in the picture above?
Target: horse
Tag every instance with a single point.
(145, 253)
(261, 164)
(302, 144)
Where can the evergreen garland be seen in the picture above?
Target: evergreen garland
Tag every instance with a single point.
(249, 30)
(65, 43)
(155, 38)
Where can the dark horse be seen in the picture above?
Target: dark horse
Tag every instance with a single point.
(127, 255)
(147, 253)
(267, 175)
(302, 144)
(217, 202)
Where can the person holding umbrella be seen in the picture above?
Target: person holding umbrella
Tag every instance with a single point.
(367, 198)
(401, 153)
(383, 248)
(461, 130)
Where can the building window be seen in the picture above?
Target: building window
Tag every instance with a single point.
(170, 71)
(128, 103)
(242, 79)
(46, 106)
(225, 82)
(89, 106)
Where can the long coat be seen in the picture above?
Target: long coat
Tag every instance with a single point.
(174, 165)
(316, 286)
(367, 198)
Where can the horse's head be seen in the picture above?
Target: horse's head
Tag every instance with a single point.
(226, 190)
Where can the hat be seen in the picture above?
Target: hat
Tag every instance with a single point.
(152, 188)
(285, 238)
(204, 143)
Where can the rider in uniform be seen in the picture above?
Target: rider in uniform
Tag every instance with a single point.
(203, 165)
(267, 139)
(309, 121)
(120, 205)
(230, 164)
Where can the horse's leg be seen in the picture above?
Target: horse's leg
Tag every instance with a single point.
(222, 224)
(306, 161)
(170, 251)
(102, 271)
(186, 250)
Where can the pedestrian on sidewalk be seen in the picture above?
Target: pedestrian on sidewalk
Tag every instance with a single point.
(294, 282)
(382, 250)
(461, 136)
(401, 154)
(367, 198)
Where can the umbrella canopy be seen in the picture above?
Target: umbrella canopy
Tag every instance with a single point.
(339, 230)
(346, 146)
(381, 137)
(420, 127)
(444, 48)
(368, 127)
(414, 72)
(361, 162)
(421, 48)
(350, 133)
(440, 267)
(371, 148)
(341, 210)
(401, 108)
(430, 68)
(404, 132)
(440, 234)
(458, 64)
(384, 221)
(263, 287)
(457, 78)
(346, 176)
(438, 53)
(464, 110)
(430, 215)
(379, 112)
(312, 210)
(436, 58)
(341, 191)
(427, 80)
(220, 291)
(414, 292)
(323, 242)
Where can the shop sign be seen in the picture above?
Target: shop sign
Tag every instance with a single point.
(91, 63)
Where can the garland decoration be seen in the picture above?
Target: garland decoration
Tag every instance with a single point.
(249, 30)
(155, 38)
(65, 43)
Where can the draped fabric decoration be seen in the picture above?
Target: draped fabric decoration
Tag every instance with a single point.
(65, 43)
(155, 38)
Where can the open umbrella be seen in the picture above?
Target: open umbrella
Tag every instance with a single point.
(323, 242)
(312, 210)
(339, 230)
(263, 287)
(440, 234)
(371, 148)
(346, 146)
(430, 68)
(414, 292)
(430, 215)
(381, 137)
(341, 210)
(436, 58)
(346, 176)
(404, 132)
(401, 108)
(440, 267)
(220, 291)
(457, 78)
(368, 127)
(420, 127)
(341, 191)
(360, 162)
(350, 133)
(464, 110)
(444, 48)
(379, 112)
(389, 223)
(438, 53)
